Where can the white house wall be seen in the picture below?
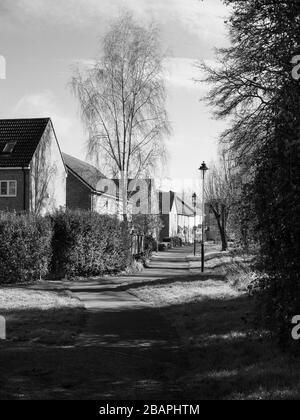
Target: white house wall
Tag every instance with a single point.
(105, 205)
(47, 176)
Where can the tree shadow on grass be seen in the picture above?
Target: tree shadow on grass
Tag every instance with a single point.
(203, 350)
(46, 327)
(120, 354)
(228, 359)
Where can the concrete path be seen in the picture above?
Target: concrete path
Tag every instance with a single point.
(163, 268)
(139, 346)
(126, 350)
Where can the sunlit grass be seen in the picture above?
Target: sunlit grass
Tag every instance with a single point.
(40, 317)
(185, 292)
(15, 299)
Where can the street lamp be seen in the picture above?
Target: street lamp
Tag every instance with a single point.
(203, 169)
(195, 213)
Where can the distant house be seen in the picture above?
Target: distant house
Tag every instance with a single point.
(87, 188)
(177, 217)
(32, 171)
(142, 196)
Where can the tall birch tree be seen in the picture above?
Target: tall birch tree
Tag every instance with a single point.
(123, 102)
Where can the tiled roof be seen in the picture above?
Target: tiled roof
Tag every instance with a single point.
(183, 208)
(88, 173)
(26, 133)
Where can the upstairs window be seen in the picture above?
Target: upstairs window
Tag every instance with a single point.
(8, 188)
(9, 148)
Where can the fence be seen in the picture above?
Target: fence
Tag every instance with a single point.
(137, 244)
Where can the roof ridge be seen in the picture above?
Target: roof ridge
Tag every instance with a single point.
(26, 119)
(89, 173)
(84, 162)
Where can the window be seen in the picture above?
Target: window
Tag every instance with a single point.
(9, 148)
(8, 188)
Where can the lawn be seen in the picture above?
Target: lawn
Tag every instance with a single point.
(227, 358)
(40, 317)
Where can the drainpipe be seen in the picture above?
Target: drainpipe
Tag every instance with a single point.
(92, 201)
(24, 189)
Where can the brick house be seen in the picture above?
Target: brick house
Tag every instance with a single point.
(32, 171)
(87, 188)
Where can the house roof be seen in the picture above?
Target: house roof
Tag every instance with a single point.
(88, 173)
(181, 207)
(26, 134)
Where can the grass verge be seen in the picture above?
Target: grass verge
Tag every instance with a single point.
(40, 317)
(228, 360)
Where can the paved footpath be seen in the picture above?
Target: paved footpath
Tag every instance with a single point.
(127, 349)
(133, 338)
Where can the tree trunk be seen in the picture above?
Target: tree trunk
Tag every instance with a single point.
(222, 230)
(124, 195)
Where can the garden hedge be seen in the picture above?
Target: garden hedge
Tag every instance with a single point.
(88, 244)
(65, 244)
(25, 247)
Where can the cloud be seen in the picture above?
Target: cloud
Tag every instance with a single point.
(78, 13)
(43, 104)
(201, 18)
(181, 72)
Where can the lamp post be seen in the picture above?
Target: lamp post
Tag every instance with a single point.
(203, 169)
(195, 213)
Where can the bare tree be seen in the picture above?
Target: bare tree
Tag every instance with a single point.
(122, 98)
(220, 195)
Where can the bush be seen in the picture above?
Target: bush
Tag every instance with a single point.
(25, 247)
(150, 245)
(162, 247)
(175, 242)
(88, 244)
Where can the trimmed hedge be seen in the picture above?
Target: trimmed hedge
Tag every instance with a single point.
(66, 244)
(88, 244)
(25, 247)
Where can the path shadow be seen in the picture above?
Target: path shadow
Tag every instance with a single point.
(131, 285)
(129, 351)
(123, 352)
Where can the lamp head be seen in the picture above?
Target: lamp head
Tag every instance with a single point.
(203, 168)
(194, 199)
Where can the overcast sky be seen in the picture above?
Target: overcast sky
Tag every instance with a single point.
(41, 39)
